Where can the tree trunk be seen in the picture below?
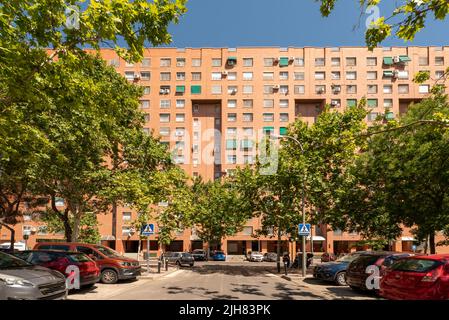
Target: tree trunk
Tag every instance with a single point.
(278, 258)
(76, 226)
(432, 246)
(67, 226)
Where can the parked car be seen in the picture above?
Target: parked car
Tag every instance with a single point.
(19, 246)
(327, 257)
(20, 280)
(335, 271)
(356, 274)
(113, 266)
(255, 256)
(219, 256)
(298, 260)
(179, 258)
(199, 255)
(60, 260)
(417, 278)
(270, 257)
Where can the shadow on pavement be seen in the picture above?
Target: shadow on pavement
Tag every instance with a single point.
(286, 292)
(198, 292)
(236, 270)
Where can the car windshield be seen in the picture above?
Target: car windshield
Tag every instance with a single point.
(347, 258)
(415, 265)
(256, 252)
(78, 257)
(108, 252)
(7, 261)
(186, 255)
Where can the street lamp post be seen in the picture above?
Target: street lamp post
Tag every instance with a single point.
(304, 255)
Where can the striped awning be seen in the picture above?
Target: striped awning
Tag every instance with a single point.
(107, 237)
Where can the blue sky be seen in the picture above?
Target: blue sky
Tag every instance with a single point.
(237, 23)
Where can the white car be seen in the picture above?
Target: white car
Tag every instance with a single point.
(256, 256)
(20, 246)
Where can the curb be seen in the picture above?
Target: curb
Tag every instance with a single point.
(153, 276)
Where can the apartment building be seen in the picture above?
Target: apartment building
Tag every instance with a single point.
(212, 105)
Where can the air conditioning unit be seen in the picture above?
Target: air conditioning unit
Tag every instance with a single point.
(320, 91)
(224, 74)
(275, 60)
(232, 91)
(336, 89)
(162, 91)
(136, 77)
(291, 59)
(166, 91)
(396, 59)
(179, 133)
(335, 104)
(276, 87)
(395, 74)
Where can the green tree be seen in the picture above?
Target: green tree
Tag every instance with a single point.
(405, 21)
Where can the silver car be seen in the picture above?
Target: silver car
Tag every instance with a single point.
(20, 280)
(256, 256)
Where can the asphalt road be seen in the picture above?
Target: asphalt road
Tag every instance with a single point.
(225, 280)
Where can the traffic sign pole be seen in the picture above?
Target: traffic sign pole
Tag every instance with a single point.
(148, 254)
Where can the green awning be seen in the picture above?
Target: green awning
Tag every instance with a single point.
(404, 58)
(283, 61)
(246, 144)
(180, 89)
(231, 144)
(389, 116)
(388, 61)
(372, 103)
(268, 129)
(388, 73)
(282, 131)
(231, 60)
(351, 102)
(195, 89)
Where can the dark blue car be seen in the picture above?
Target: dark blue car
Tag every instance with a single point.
(219, 256)
(335, 271)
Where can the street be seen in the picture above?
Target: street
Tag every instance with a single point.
(221, 280)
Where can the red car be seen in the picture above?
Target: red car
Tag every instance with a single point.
(417, 278)
(60, 260)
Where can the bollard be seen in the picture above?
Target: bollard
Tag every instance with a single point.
(159, 266)
(166, 264)
(285, 267)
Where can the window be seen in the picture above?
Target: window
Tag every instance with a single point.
(196, 62)
(335, 103)
(283, 131)
(320, 75)
(336, 89)
(146, 117)
(372, 116)
(144, 104)
(247, 76)
(283, 103)
(126, 216)
(388, 88)
(371, 61)
(231, 159)
(247, 117)
(283, 117)
(268, 75)
(268, 103)
(164, 90)
(248, 159)
(246, 145)
(268, 62)
(145, 75)
(165, 104)
(439, 74)
(335, 62)
(165, 62)
(180, 76)
(283, 89)
(232, 103)
(180, 62)
(180, 103)
(165, 76)
(232, 117)
(299, 62)
(216, 89)
(283, 75)
(196, 76)
(180, 117)
(351, 75)
(180, 131)
(195, 89)
(216, 75)
(268, 89)
(59, 202)
(231, 131)
(299, 75)
(146, 90)
(129, 75)
(232, 89)
(351, 103)
(247, 62)
(248, 131)
(403, 88)
(371, 75)
(247, 103)
(388, 103)
(114, 62)
(268, 117)
(372, 103)
(232, 76)
(335, 75)
(129, 64)
(351, 61)
(319, 62)
(423, 61)
(283, 61)
(351, 89)
(247, 89)
(164, 131)
(320, 89)
(439, 61)
(216, 62)
(299, 89)
(403, 74)
(231, 144)
(164, 117)
(372, 88)
(423, 88)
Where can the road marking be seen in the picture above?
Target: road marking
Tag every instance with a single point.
(172, 274)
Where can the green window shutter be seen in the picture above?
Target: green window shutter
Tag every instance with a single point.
(404, 58)
(282, 131)
(388, 74)
(195, 89)
(372, 103)
(351, 102)
(231, 144)
(388, 61)
(283, 61)
(181, 89)
(231, 61)
(389, 116)
(268, 129)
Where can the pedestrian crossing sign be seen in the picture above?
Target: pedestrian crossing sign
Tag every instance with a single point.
(147, 230)
(304, 229)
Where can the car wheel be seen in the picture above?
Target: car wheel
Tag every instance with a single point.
(191, 265)
(340, 279)
(109, 276)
